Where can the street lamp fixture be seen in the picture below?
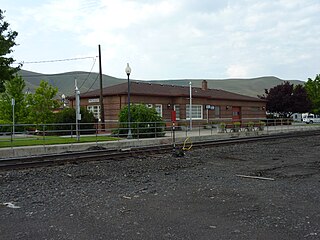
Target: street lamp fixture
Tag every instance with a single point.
(63, 99)
(128, 71)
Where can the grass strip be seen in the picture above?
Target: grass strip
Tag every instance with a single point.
(51, 140)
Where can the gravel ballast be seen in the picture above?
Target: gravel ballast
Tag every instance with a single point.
(204, 195)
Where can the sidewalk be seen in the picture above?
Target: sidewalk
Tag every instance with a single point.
(197, 132)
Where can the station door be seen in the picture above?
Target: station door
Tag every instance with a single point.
(236, 114)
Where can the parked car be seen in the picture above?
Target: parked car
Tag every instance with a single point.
(311, 118)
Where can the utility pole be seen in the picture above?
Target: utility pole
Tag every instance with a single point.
(78, 115)
(190, 105)
(101, 93)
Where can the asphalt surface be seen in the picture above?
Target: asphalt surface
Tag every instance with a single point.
(198, 196)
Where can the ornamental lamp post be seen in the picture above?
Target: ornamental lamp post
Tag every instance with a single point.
(128, 71)
(63, 99)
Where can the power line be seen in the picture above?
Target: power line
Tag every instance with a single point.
(65, 74)
(94, 62)
(93, 83)
(56, 74)
(57, 60)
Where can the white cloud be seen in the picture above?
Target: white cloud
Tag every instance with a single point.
(174, 39)
(237, 71)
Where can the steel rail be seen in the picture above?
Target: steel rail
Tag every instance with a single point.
(122, 154)
(237, 140)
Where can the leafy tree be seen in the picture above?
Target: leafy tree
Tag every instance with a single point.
(286, 99)
(301, 101)
(7, 42)
(145, 121)
(5, 126)
(68, 115)
(42, 103)
(13, 89)
(313, 91)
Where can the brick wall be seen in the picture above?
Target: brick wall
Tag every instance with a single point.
(113, 104)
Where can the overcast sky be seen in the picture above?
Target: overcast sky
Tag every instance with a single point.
(170, 39)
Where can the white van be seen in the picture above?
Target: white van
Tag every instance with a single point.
(310, 118)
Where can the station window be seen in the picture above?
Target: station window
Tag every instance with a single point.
(158, 108)
(217, 111)
(196, 111)
(255, 109)
(95, 109)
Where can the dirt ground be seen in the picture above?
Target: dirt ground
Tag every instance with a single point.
(198, 196)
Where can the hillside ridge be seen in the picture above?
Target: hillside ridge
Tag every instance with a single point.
(90, 81)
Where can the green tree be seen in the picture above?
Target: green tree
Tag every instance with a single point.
(286, 99)
(145, 122)
(42, 103)
(68, 115)
(301, 101)
(7, 42)
(14, 89)
(313, 91)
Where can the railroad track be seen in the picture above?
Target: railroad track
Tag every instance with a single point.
(121, 154)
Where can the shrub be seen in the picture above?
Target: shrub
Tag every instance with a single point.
(236, 126)
(5, 127)
(250, 124)
(261, 125)
(222, 127)
(68, 115)
(145, 122)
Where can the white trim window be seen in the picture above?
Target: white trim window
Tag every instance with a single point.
(217, 111)
(158, 108)
(95, 109)
(197, 112)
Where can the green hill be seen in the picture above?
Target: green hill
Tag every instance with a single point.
(250, 87)
(65, 81)
(86, 82)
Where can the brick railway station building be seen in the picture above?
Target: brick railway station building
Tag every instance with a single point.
(207, 104)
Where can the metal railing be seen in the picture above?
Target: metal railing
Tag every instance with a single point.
(67, 133)
(245, 125)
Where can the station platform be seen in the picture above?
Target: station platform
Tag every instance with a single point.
(195, 135)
